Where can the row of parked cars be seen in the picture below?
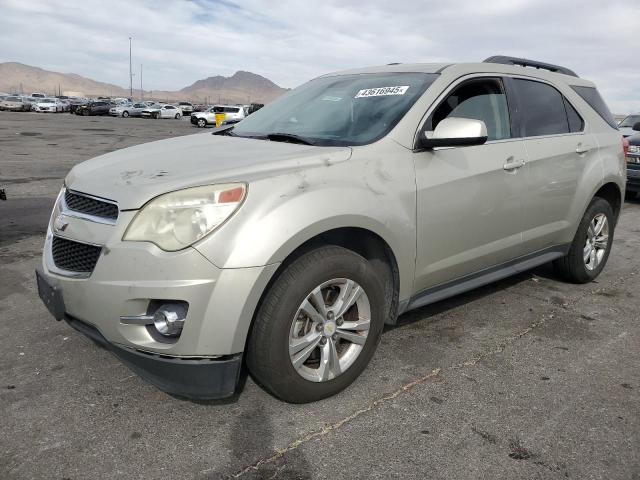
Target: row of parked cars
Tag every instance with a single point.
(123, 107)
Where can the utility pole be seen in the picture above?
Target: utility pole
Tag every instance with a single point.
(141, 90)
(130, 72)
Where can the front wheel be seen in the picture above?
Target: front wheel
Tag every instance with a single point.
(318, 325)
(125, 114)
(156, 116)
(177, 117)
(591, 245)
(202, 123)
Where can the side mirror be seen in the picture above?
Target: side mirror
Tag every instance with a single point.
(636, 127)
(456, 132)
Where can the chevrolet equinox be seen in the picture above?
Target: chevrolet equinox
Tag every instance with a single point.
(285, 242)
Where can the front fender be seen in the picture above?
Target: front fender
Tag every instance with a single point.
(282, 213)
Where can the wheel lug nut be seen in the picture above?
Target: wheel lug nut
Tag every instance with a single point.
(334, 337)
(319, 327)
(340, 321)
(323, 340)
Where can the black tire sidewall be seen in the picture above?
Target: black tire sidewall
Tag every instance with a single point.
(274, 370)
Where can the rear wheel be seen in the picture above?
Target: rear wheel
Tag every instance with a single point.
(318, 325)
(591, 245)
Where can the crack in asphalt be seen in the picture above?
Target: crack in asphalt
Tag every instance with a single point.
(280, 452)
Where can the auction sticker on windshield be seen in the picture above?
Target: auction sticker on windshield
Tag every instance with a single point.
(382, 91)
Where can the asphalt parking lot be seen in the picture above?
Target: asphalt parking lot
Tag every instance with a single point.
(527, 378)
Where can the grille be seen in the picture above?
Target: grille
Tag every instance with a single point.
(90, 206)
(74, 256)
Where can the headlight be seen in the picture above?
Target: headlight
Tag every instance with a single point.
(176, 220)
(634, 149)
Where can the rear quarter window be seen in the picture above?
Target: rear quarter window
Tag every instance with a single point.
(595, 101)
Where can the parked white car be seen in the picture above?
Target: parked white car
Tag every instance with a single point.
(48, 105)
(232, 114)
(162, 111)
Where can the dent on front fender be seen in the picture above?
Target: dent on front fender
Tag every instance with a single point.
(282, 213)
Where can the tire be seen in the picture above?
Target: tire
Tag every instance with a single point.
(574, 267)
(177, 117)
(281, 320)
(125, 114)
(156, 116)
(86, 113)
(202, 123)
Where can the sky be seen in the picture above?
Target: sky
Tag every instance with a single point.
(290, 42)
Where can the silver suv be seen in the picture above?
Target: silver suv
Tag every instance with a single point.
(286, 241)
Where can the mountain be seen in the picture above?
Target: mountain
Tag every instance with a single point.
(241, 87)
(245, 86)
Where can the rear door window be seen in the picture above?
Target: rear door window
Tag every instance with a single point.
(576, 123)
(541, 109)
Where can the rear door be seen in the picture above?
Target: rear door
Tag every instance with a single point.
(559, 151)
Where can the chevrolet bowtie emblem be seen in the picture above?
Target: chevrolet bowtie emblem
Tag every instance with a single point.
(59, 224)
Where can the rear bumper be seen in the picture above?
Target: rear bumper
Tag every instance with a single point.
(195, 378)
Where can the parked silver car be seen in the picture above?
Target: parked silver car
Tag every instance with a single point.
(15, 103)
(291, 238)
(626, 125)
(128, 110)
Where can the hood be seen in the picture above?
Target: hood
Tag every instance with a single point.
(627, 131)
(634, 139)
(135, 175)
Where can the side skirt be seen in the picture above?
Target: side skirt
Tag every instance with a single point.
(483, 277)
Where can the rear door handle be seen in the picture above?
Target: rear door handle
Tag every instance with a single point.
(582, 149)
(512, 164)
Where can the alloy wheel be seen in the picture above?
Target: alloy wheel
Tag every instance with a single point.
(329, 330)
(597, 241)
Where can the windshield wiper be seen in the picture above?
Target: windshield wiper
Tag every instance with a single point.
(289, 137)
(223, 130)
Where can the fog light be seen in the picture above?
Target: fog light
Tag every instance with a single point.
(169, 319)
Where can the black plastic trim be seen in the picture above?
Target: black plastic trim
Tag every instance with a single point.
(193, 378)
(484, 277)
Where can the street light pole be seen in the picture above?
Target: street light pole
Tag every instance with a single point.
(141, 90)
(130, 72)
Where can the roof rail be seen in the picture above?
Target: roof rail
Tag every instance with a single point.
(504, 60)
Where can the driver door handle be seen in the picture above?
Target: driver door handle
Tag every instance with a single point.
(511, 164)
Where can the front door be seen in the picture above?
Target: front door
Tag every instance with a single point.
(470, 199)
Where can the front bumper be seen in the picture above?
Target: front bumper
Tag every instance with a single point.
(195, 378)
(133, 278)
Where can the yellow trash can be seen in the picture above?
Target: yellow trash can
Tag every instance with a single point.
(219, 119)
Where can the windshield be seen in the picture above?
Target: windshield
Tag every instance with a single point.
(340, 110)
(46, 100)
(630, 121)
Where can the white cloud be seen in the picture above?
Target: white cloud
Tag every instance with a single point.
(291, 41)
